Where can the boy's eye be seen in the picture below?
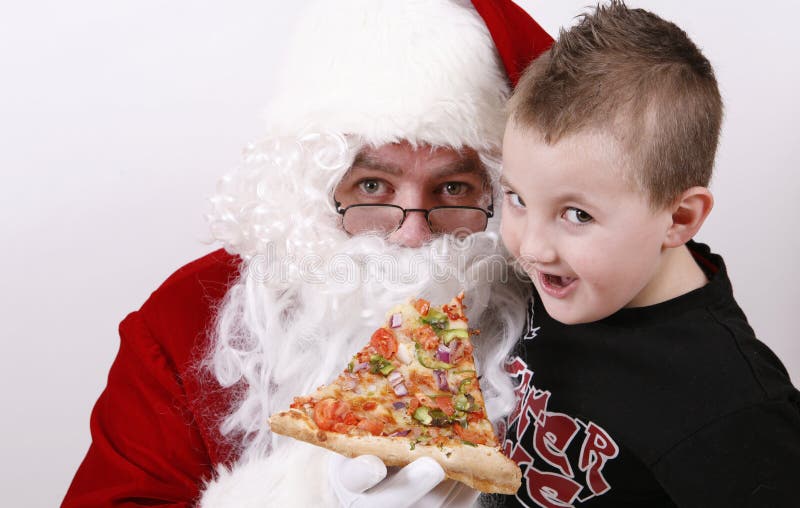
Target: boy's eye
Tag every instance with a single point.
(514, 199)
(577, 216)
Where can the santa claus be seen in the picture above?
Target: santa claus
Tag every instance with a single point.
(375, 182)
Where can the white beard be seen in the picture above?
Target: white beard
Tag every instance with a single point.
(290, 325)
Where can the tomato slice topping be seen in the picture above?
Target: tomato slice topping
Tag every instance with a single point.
(371, 425)
(446, 405)
(328, 412)
(468, 434)
(475, 416)
(341, 428)
(422, 306)
(384, 342)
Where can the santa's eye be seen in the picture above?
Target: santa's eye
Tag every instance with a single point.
(455, 188)
(370, 186)
(577, 216)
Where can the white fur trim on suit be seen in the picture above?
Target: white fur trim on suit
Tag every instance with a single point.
(422, 70)
(294, 477)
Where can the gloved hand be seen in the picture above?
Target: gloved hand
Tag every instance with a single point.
(363, 482)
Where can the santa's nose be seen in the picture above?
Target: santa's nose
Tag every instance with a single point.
(414, 231)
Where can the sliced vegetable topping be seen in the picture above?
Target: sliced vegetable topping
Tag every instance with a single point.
(443, 354)
(396, 380)
(328, 412)
(384, 342)
(457, 333)
(371, 425)
(422, 415)
(441, 380)
(425, 358)
(446, 405)
(380, 364)
(422, 306)
(460, 402)
(436, 319)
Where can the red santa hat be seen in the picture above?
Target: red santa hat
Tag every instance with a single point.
(434, 72)
(427, 71)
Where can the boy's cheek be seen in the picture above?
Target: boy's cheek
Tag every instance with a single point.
(510, 235)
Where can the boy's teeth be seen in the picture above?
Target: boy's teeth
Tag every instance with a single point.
(557, 280)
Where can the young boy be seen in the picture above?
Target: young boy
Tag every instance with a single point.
(641, 382)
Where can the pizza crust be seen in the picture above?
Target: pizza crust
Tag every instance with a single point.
(481, 467)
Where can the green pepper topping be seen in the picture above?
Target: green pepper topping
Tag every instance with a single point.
(436, 319)
(456, 333)
(427, 360)
(421, 414)
(438, 418)
(380, 364)
(461, 402)
(465, 385)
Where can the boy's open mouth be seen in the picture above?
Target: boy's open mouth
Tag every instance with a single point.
(557, 286)
(557, 280)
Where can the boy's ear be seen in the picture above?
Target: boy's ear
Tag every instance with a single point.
(689, 211)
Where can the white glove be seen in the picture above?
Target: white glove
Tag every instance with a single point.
(362, 482)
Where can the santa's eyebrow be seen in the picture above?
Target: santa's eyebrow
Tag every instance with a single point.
(364, 160)
(465, 165)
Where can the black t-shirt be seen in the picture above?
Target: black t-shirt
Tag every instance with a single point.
(675, 404)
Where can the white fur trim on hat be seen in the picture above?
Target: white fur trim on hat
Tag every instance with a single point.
(422, 70)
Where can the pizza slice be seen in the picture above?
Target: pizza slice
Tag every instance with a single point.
(411, 392)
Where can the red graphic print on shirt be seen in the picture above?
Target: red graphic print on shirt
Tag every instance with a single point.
(561, 457)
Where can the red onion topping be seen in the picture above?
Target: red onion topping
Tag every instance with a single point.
(443, 354)
(399, 405)
(456, 351)
(360, 366)
(396, 320)
(400, 390)
(400, 433)
(396, 380)
(441, 380)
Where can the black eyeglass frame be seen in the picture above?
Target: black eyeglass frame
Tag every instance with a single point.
(489, 212)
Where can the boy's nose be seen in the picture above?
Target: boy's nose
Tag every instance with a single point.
(414, 232)
(537, 247)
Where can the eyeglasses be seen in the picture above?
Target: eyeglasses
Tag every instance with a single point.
(386, 219)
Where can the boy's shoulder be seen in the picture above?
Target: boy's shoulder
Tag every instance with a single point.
(707, 335)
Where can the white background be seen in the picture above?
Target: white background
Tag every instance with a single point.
(116, 118)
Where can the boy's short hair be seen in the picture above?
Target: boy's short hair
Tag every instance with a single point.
(632, 75)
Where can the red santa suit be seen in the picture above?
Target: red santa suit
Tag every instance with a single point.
(158, 433)
(155, 428)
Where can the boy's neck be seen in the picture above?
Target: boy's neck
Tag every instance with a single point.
(678, 274)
